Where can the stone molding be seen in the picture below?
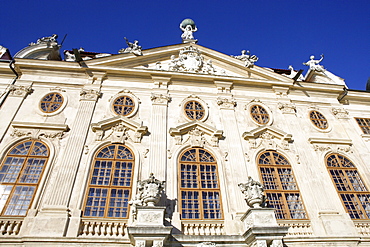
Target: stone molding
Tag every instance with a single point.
(20, 91)
(196, 132)
(117, 129)
(160, 99)
(340, 113)
(268, 137)
(89, 94)
(35, 130)
(331, 144)
(287, 108)
(226, 103)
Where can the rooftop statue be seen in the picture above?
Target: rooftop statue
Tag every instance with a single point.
(247, 58)
(188, 28)
(48, 40)
(133, 48)
(314, 64)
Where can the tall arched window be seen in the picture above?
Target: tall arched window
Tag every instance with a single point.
(199, 186)
(280, 186)
(350, 187)
(110, 182)
(20, 174)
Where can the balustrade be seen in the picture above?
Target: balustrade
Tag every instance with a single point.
(301, 228)
(363, 228)
(9, 227)
(96, 228)
(203, 229)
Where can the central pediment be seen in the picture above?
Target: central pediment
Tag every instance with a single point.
(186, 59)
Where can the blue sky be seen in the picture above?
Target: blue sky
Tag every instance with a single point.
(280, 33)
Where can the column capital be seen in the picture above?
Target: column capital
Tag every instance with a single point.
(89, 94)
(19, 91)
(160, 99)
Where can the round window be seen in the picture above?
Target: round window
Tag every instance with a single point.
(318, 120)
(259, 114)
(123, 105)
(51, 102)
(194, 110)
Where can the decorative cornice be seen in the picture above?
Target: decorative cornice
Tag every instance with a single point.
(268, 137)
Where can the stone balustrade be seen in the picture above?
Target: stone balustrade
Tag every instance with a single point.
(297, 228)
(203, 229)
(103, 228)
(363, 228)
(10, 226)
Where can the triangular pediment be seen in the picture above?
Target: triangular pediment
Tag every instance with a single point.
(185, 128)
(276, 133)
(161, 60)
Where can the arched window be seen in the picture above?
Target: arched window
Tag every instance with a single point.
(280, 186)
(350, 187)
(199, 186)
(20, 174)
(110, 182)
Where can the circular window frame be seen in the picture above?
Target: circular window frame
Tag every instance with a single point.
(267, 109)
(327, 129)
(60, 109)
(132, 97)
(197, 100)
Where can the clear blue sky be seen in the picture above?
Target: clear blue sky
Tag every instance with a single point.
(280, 33)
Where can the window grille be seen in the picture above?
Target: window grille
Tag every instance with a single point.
(123, 105)
(364, 124)
(259, 114)
(194, 110)
(318, 120)
(51, 102)
(280, 186)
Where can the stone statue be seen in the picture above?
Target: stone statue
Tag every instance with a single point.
(253, 192)
(247, 58)
(188, 28)
(314, 64)
(208, 67)
(133, 48)
(150, 191)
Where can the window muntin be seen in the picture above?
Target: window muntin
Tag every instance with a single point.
(364, 124)
(20, 174)
(199, 186)
(350, 187)
(194, 110)
(123, 105)
(259, 114)
(318, 120)
(51, 102)
(280, 186)
(110, 183)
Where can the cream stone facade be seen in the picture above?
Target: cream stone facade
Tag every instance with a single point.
(85, 142)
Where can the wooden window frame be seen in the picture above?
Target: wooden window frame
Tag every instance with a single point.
(193, 111)
(51, 103)
(261, 114)
(286, 213)
(348, 185)
(25, 167)
(320, 123)
(109, 187)
(199, 188)
(122, 107)
(364, 124)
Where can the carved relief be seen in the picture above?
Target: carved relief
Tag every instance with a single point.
(253, 193)
(36, 130)
(340, 113)
(89, 94)
(287, 107)
(333, 145)
(196, 138)
(161, 99)
(19, 91)
(226, 103)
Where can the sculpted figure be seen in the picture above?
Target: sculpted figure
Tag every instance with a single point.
(253, 192)
(314, 64)
(247, 58)
(134, 48)
(188, 32)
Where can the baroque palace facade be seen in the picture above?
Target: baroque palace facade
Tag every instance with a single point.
(170, 146)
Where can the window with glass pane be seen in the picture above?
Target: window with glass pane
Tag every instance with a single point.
(51, 102)
(364, 124)
(259, 114)
(123, 105)
(194, 110)
(20, 174)
(110, 182)
(281, 189)
(349, 185)
(199, 186)
(318, 120)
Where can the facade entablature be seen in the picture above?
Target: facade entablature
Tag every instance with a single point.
(117, 129)
(196, 132)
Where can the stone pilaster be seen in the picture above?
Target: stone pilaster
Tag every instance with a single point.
(158, 137)
(55, 213)
(17, 93)
(236, 171)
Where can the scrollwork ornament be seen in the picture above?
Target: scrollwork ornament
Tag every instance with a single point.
(161, 99)
(19, 91)
(89, 94)
(226, 103)
(340, 113)
(287, 107)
